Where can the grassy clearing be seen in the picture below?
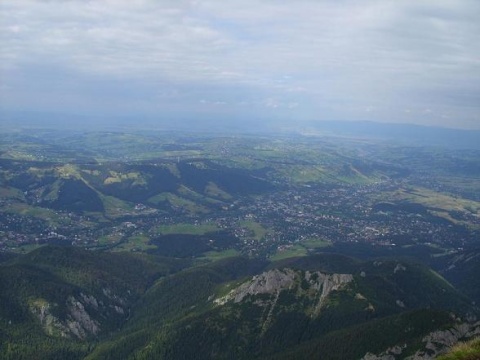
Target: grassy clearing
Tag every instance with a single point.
(433, 199)
(239, 161)
(440, 204)
(179, 202)
(464, 351)
(24, 249)
(258, 230)
(302, 174)
(18, 155)
(213, 190)
(300, 249)
(116, 177)
(191, 195)
(115, 207)
(218, 255)
(191, 154)
(35, 211)
(316, 243)
(54, 191)
(187, 229)
(173, 169)
(293, 251)
(109, 239)
(7, 192)
(136, 243)
(68, 171)
(187, 205)
(159, 198)
(465, 184)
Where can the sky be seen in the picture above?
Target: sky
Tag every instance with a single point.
(408, 61)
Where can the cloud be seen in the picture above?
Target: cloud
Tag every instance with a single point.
(332, 59)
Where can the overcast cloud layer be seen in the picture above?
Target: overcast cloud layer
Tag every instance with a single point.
(411, 61)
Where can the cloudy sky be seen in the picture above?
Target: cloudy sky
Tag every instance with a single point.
(408, 61)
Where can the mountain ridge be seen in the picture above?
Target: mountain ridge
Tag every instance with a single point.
(79, 298)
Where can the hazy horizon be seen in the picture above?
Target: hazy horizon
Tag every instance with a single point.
(235, 63)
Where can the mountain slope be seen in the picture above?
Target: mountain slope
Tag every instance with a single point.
(202, 314)
(65, 301)
(59, 299)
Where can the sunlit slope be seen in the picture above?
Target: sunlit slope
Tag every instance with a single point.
(195, 186)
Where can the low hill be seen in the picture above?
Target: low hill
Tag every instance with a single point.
(87, 187)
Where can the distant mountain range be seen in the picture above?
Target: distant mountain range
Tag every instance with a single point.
(417, 135)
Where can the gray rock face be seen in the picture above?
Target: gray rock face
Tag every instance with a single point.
(79, 321)
(434, 344)
(82, 315)
(274, 281)
(389, 354)
(269, 282)
(328, 283)
(90, 300)
(265, 290)
(51, 325)
(438, 342)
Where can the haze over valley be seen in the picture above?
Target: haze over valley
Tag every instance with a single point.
(337, 232)
(239, 180)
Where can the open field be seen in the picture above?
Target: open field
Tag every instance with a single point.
(34, 211)
(434, 199)
(255, 227)
(187, 229)
(315, 243)
(289, 252)
(218, 255)
(135, 243)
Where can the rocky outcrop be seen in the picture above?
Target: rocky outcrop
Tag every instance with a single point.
(275, 281)
(80, 317)
(90, 300)
(434, 344)
(439, 342)
(328, 283)
(79, 321)
(269, 282)
(266, 290)
(51, 324)
(389, 354)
